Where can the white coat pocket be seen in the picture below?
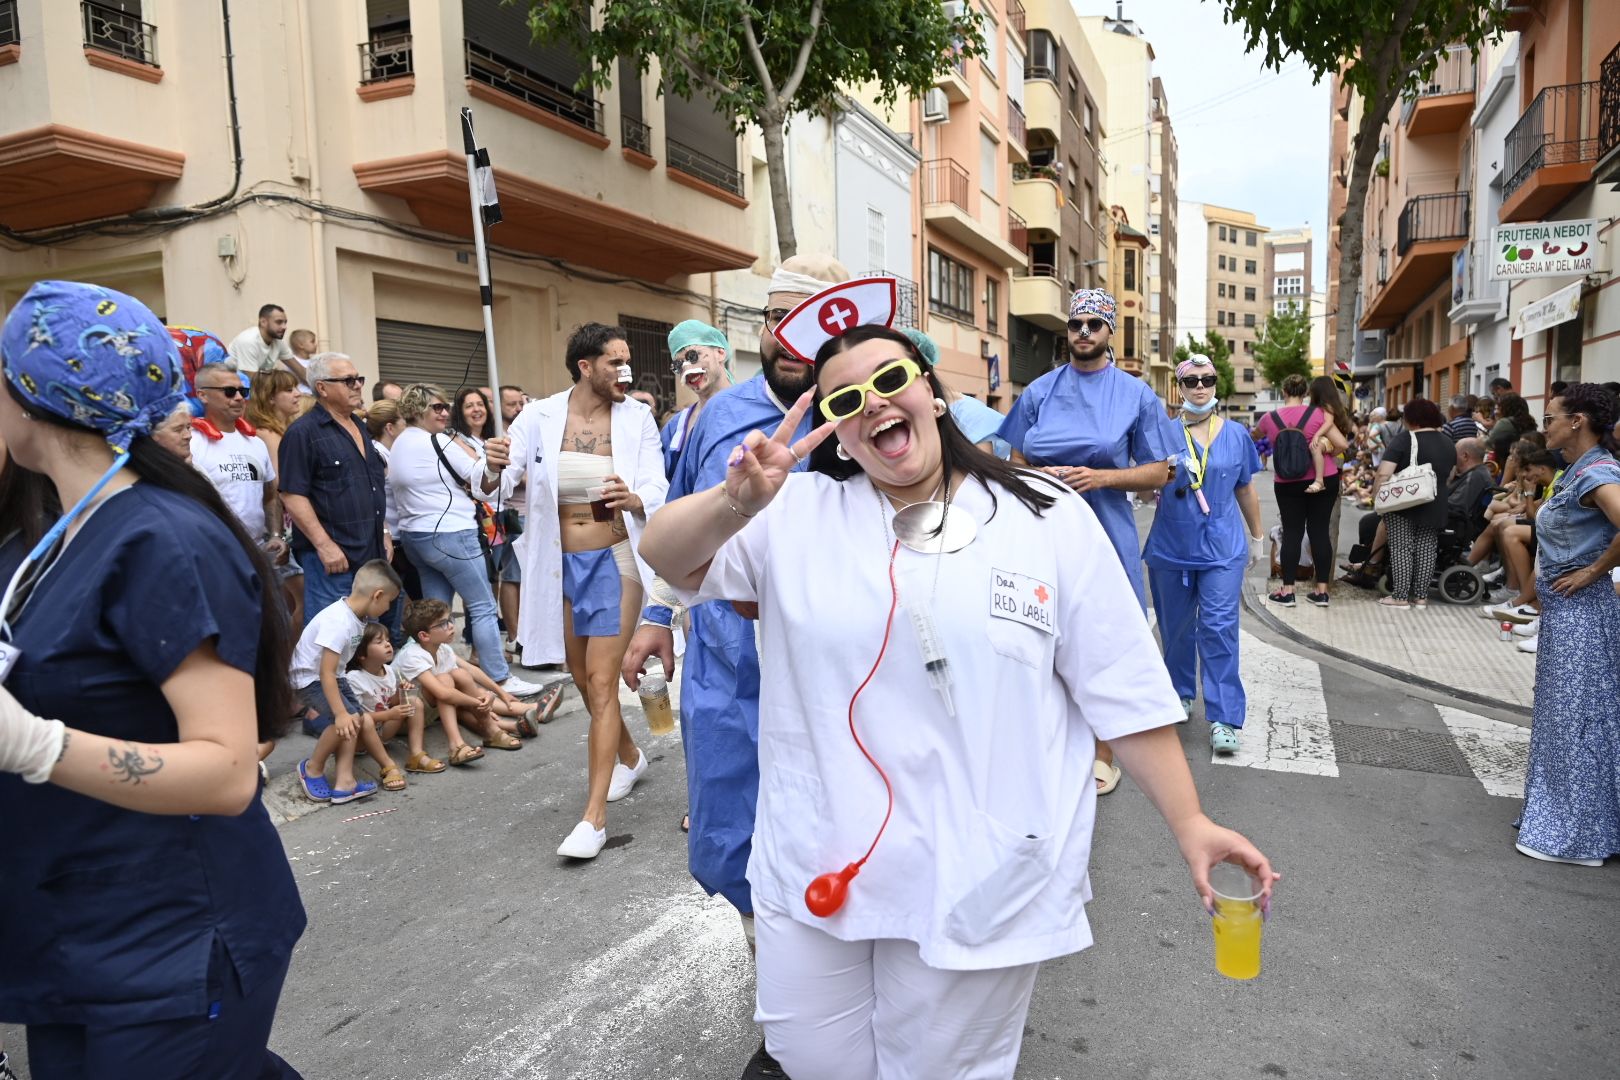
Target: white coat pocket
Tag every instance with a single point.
(1003, 870)
(1022, 643)
(792, 824)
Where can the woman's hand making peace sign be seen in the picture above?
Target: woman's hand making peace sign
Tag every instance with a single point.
(759, 467)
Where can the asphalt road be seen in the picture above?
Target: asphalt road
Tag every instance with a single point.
(1407, 940)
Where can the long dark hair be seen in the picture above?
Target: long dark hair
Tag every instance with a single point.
(957, 453)
(27, 501)
(1325, 395)
(458, 418)
(1512, 407)
(272, 691)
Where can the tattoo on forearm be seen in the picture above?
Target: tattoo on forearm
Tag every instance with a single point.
(131, 764)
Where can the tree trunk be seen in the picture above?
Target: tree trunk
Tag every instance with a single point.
(787, 241)
(1352, 226)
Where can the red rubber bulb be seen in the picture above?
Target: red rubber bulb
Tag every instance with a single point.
(825, 895)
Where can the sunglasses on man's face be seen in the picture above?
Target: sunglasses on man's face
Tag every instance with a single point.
(1193, 381)
(775, 315)
(886, 382)
(228, 391)
(690, 356)
(1086, 327)
(353, 382)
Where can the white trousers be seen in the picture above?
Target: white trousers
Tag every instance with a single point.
(872, 1010)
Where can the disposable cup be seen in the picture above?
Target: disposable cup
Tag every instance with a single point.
(1237, 922)
(653, 690)
(600, 510)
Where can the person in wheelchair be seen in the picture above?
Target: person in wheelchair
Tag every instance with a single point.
(1468, 493)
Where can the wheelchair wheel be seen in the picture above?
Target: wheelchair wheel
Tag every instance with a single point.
(1461, 584)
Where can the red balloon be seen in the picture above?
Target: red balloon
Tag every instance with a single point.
(825, 895)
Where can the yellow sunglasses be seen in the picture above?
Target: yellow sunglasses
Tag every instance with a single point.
(885, 382)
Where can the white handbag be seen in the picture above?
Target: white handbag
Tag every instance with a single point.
(1411, 487)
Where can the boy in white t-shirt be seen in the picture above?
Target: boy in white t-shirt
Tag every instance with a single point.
(463, 692)
(332, 714)
(376, 685)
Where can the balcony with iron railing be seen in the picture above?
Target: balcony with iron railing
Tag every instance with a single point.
(1016, 19)
(1017, 133)
(693, 162)
(118, 33)
(1445, 100)
(945, 181)
(953, 80)
(385, 59)
(905, 299)
(1429, 233)
(546, 96)
(1607, 170)
(1037, 296)
(1550, 152)
(949, 210)
(634, 135)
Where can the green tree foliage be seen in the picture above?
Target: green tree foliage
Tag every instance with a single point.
(1213, 346)
(1382, 49)
(762, 61)
(1283, 347)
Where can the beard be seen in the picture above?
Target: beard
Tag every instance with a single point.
(1088, 350)
(786, 385)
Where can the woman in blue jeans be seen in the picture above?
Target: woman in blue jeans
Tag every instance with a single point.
(428, 469)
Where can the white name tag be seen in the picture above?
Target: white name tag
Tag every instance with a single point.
(1024, 599)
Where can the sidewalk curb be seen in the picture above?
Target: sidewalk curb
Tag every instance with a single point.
(1257, 607)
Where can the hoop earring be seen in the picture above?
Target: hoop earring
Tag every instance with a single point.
(940, 408)
(843, 455)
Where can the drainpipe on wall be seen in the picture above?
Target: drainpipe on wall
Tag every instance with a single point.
(714, 298)
(323, 329)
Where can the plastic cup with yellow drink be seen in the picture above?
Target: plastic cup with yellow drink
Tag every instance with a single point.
(1237, 921)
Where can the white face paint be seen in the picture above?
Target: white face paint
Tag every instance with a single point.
(625, 377)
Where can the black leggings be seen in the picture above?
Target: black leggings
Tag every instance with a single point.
(1304, 514)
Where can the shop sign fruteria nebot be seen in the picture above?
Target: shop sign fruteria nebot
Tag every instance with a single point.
(1544, 249)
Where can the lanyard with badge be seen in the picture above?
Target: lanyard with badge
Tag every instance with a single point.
(36, 565)
(1197, 466)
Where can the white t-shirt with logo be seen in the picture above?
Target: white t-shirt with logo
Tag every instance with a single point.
(336, 628)
(373, 692)
(413, 660)
(252, 355)
(238, 466)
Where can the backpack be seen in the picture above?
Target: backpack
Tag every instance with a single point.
(1290, 450)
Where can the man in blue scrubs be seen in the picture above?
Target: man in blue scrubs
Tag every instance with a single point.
(1100, 431)
(720, 678)
(701, 357)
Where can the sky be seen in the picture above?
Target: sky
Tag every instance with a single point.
(1249, 139)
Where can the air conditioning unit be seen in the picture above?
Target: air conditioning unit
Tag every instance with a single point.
(936, 107)
(954, 8)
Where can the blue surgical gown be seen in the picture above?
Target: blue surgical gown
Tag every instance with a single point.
(1100, 420)
(720, 670)
(674, 438)
(110, 916)
(1183, 537)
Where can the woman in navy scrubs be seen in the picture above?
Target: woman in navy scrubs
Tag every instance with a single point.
(149, 912)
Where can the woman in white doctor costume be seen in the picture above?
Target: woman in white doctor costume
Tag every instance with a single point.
(931, 698)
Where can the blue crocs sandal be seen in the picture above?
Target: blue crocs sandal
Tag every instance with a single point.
(1222, 739)
(316, 789)
(361, 790)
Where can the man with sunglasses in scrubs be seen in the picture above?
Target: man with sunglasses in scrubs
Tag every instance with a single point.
(720, 676)
(700, 356)
(1102, 432)
(225, 448)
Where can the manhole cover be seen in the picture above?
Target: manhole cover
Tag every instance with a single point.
(1398, 748)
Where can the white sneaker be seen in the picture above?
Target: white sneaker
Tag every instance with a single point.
(1529, 629)
(584, 842)
(624, 777)
(1526, 644)
(1495, 577)
(1513, 613)
(1186, 709)
(518, 688)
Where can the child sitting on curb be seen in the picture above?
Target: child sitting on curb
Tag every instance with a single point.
(377, 687)
(461, 691)
(331, 712)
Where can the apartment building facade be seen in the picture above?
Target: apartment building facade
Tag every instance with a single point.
(1164, 211)
(1223, 251)
(1128, 277)
(618, 206)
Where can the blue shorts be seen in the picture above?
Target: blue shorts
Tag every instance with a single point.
(313, 697)
(591, 589)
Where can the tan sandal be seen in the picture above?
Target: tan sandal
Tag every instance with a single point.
(505, 742)
(420, 763)
(465, 755)
(392, 779)
(1107, 776)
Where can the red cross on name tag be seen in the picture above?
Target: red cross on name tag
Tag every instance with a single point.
(1021, 598)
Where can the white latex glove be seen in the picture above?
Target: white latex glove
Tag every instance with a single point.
(1257, 549)
(29, 745)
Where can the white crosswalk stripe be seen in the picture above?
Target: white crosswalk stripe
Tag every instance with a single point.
(1287, 727)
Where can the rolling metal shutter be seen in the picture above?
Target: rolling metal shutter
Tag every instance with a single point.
(413, 352)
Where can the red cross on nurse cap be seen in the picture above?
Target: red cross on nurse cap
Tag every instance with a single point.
(835, 311)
